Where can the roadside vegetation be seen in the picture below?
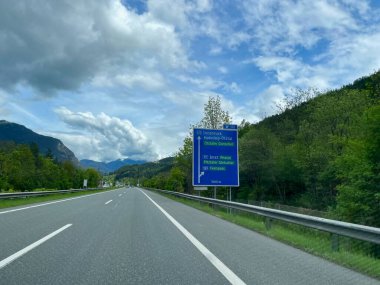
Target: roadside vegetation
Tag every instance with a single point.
(23, 168)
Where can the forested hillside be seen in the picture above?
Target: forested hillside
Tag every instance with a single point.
(21, 135)
(159, 170)
(319, 152)
(23, 167)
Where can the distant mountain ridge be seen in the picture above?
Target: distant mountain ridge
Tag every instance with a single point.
(21, 135)
(147, 170)
(107, 167)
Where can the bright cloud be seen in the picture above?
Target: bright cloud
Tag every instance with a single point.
(266, 103)
(62, 51)
(106, 138)
(280, 26)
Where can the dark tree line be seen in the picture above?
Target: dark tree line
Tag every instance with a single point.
(23, 167)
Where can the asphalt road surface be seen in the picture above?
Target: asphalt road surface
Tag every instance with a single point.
(133, 236)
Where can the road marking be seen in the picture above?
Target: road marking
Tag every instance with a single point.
(54, 202)
(120, 195)
(21, 252)
(227, 273)
(108, 202)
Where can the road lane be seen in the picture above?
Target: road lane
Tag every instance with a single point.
(130, 244)
(130, 241)
(42, 204)
(20, 228)
(255, 258)
(218, 264)
(30, 247)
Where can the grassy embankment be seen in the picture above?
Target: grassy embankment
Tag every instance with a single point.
(351, 254)
(6, 203)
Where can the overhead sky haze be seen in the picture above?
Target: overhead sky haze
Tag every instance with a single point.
(125, 79)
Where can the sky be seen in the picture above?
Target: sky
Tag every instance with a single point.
(126, 79)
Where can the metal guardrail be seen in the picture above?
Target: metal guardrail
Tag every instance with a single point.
(41, 193)
(360, 232)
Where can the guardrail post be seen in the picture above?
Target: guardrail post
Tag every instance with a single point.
(229, 195)
(214, 196)
(268, 223)
(334, 242)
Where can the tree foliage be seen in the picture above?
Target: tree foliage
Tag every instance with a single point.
(23, 168)
(213, 115)
(296, 98)
(358, 197)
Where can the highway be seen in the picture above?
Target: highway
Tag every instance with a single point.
(134, 236)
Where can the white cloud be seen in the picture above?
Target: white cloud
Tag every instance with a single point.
(204, 5)
(189, 102)
(202, 83)
(207, 84)
(234, 87)
(223, 69)
(62, 51)
(288, 71)
(345, 60)
(153, 81)
(171, 12)
(358, 54)
(362, 7)
(240, 113)
(105, 138)
(265, 104)
(216, 50)
(281, 26)
(225, 35)
(179, 13)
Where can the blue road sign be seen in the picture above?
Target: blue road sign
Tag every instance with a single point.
(230, 127)
(215, 157)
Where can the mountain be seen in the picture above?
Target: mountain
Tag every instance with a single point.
(146, 170)
(321, 154)
(22, 135)
(111, 166)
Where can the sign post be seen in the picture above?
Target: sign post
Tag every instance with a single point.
(215, 157)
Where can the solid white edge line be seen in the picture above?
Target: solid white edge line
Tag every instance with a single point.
(21, 252)
(108, 202)
(54, 202)
(227, 273)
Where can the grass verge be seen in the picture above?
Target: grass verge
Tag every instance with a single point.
(352, 254)
(13, 202)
